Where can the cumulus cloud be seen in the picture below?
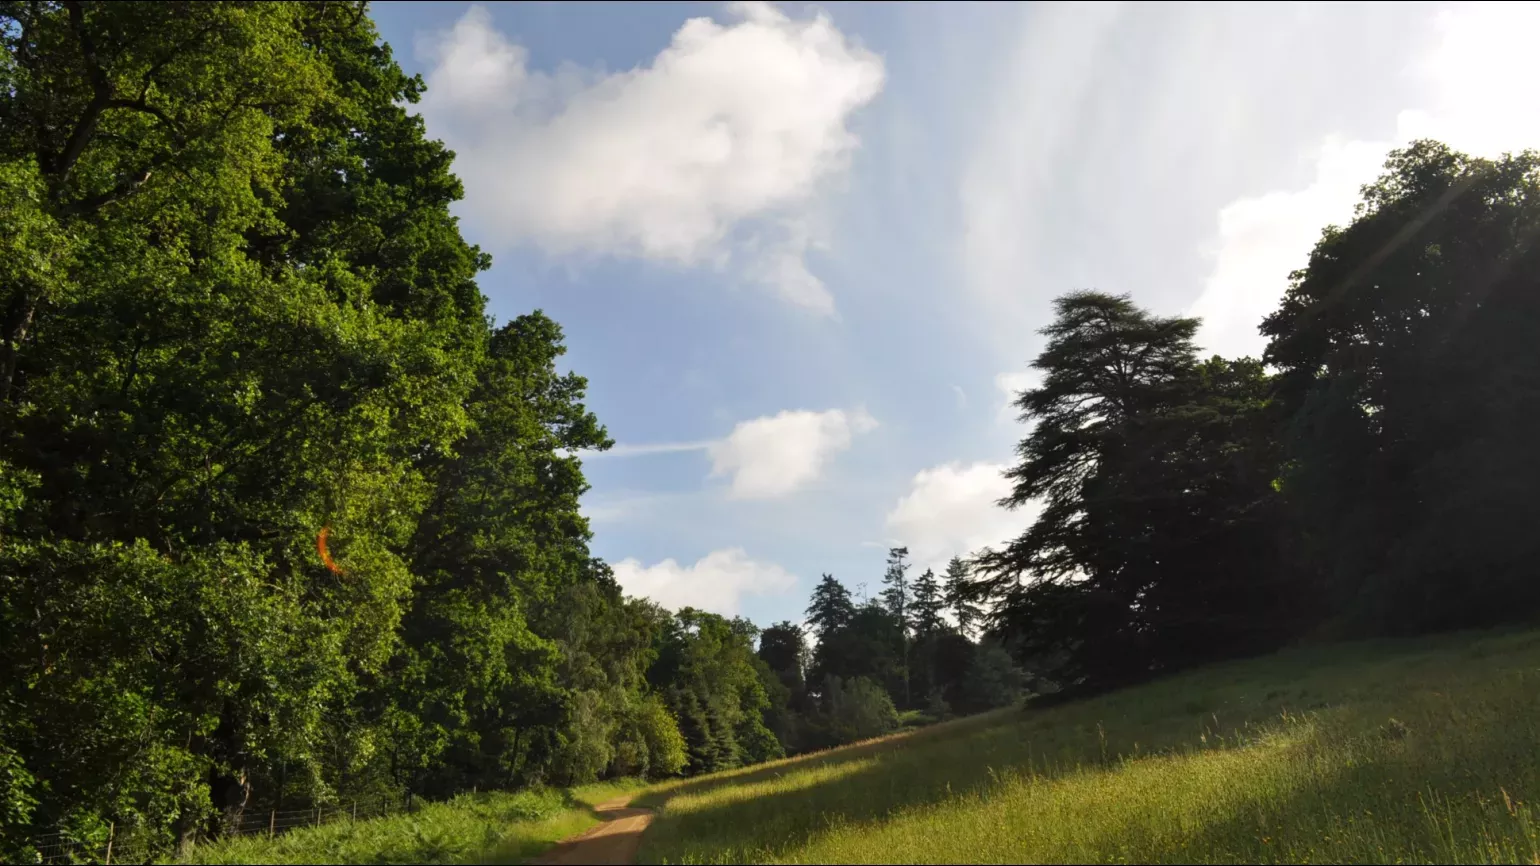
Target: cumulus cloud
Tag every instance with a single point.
(777, 454)
(725, 137)
(950, 510)
(716, 583)
(1263, 239)
(1476, 77)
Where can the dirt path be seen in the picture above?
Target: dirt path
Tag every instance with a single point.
(613, 842)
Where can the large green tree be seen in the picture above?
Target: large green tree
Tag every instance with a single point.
(1407, 368)
(500, 539)
(1154, 546)
(236, 311)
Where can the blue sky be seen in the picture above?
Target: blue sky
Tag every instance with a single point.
(801, 252)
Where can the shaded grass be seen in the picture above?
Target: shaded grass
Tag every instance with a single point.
(492, 827)
(1416, 751)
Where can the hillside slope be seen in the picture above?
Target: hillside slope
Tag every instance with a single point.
(1420, 751)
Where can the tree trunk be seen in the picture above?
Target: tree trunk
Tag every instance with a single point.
(18, 322)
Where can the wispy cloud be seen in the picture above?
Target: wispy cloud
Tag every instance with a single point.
(645, 449)
(767, 457)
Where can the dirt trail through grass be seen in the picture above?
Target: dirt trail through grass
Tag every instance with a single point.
(613, 842)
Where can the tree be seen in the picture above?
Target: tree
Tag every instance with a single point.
(871, 646)
(1108, 367)
(959, 597)
(712, 680)
(236, 312)
(895, 597)
(830, 608)
(895, 583)
(783, 647)
(927, 605)
(1156, 545)
(1406, 357)
(501, 535)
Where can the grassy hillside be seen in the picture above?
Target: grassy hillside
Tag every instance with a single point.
(1423, 751)
(472, 828)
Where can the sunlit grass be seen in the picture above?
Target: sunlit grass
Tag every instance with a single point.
(472, 828)
(1411, 752)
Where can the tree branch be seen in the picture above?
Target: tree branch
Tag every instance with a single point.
(101, 90)
(145, 108)
(95, 203)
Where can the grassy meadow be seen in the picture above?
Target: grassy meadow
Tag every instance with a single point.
(1417, 752)
(471, 828)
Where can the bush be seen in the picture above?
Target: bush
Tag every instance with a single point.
(857, 709)
(936, 706)
(757, 742)
(993, 680)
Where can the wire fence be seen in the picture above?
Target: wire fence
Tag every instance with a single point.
(60, 848)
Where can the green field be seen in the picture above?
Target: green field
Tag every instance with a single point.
(1425, 751)
(472, 828)
(1414, 752)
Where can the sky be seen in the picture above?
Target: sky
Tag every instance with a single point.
(802, 252)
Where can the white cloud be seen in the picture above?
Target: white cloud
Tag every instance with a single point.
(1478, 76)
(730, 131)
(1263, 239)
(774, 455)
(950, 510)
(1010, 385)
(716, 583)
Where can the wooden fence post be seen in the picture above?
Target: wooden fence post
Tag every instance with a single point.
(111, 831)
(272, 820)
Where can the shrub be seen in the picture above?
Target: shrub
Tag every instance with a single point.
(993, 679)
(857, 709)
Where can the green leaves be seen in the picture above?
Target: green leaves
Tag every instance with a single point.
(1406, 362)
(1153, 546)
(236, 310)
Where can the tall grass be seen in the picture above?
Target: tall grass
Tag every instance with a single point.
(1414, 752)
(472, 828)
